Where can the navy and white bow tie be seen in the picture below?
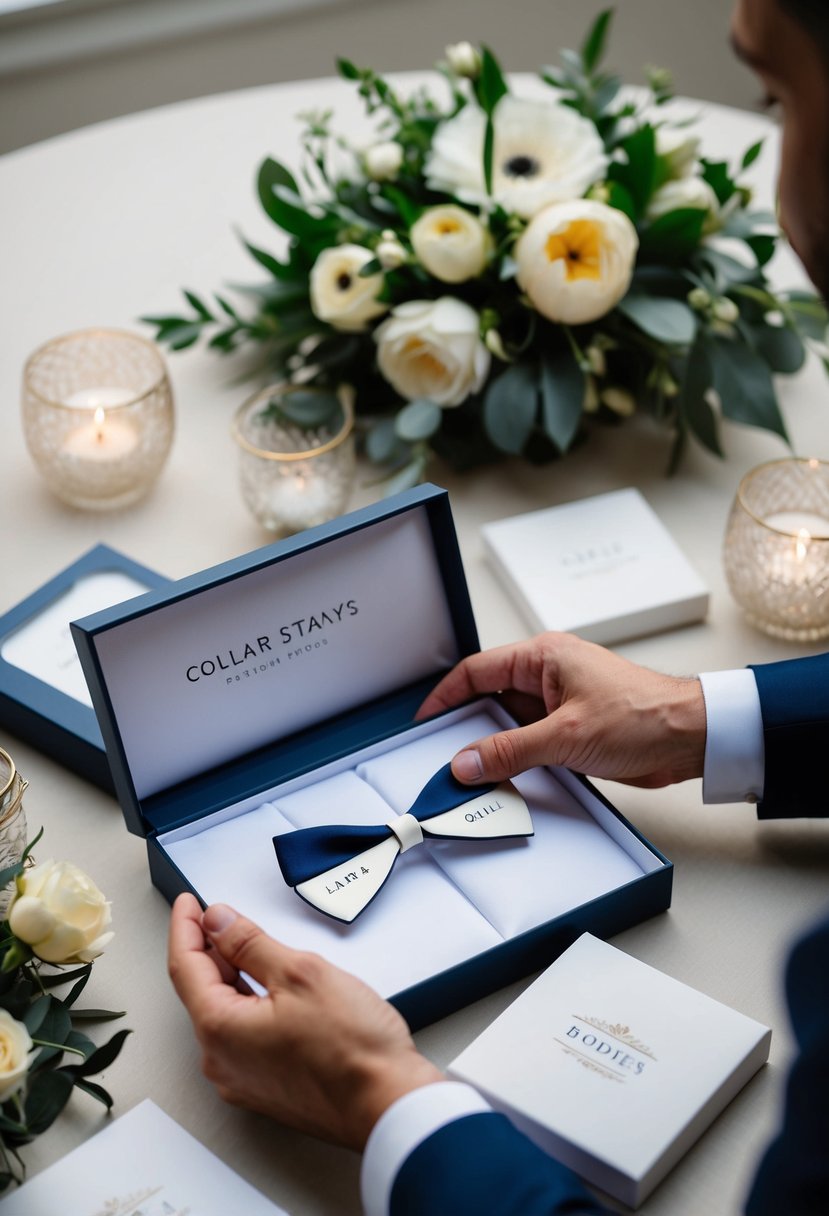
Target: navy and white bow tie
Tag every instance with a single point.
(339, 869)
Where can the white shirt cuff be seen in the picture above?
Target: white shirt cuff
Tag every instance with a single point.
(734, 747)
(405, 1125)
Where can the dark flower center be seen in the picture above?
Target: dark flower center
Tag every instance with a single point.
(522, 166)
(343, 281)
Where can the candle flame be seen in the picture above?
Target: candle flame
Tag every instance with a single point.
(99, 417)
(801, 545)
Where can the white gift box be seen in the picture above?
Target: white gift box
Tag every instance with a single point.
(278, 692)
(613, 1067)
(603, 567)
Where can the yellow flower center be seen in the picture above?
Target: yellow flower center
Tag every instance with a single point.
(447, 226)
(579, 246)
(423, 357)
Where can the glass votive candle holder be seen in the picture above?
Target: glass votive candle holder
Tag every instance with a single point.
(13, 833)
(776, 548)
(98, 416)
(297, 459)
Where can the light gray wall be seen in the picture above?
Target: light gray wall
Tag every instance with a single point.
(57, 74)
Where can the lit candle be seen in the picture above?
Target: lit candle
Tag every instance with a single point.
(799, 522)
(104, 438)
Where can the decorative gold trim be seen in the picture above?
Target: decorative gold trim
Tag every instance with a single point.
(810, 461)
(7, 810)
(589, 1063)
(346, 399)
(101, 332)
(621, 1033)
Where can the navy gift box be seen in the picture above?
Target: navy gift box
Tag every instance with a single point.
(43, 699)
(222, 695)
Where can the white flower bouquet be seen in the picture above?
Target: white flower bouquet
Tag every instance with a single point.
(494, 274)
(57, 924)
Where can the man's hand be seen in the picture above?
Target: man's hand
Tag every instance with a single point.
(321, 1052)
(589, 710)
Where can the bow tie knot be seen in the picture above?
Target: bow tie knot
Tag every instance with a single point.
(340, 869)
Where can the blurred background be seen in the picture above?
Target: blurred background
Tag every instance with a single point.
(67, 63)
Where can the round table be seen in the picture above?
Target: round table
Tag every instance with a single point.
(106, 224)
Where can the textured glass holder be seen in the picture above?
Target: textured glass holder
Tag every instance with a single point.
(776, 549)
(292, 476)
(12, 822)
(98, 416)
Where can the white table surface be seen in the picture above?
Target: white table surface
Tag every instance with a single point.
(105, 224)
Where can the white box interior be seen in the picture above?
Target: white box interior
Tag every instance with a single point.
(445, 901)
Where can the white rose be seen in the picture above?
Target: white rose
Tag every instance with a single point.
(543, 152)
(464, 59)
(679, 149)
(339, 295)
(692, 192)
(575, 260)
(383, 160)
(450, 243)
(432, 349)
(60, 913)
(16, 1054)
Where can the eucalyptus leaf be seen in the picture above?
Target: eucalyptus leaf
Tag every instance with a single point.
(693, 404)
(562, 397)
(808, 313)
(672, 237)
(510, 407)
(76, 1041)
(46, 1096)
(382, 442)
(33, 1018)
(751, 155)
(100, 1059)
(76, 990)
(744, 385)
(306, 408)
(94, 1091)
(781, 346)
(592, 48)
(97, 1015)
(668, 321)
(418, 420)
(406, 477)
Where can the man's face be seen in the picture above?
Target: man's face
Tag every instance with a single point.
(794, 75)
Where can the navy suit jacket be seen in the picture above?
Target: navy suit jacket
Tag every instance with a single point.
(482, 1164)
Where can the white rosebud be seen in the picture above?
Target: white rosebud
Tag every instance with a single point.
(575, 260)
(389, 252)
(596, 360)
(725, 310)
(679, 149)
(495, 344)
(699, 299)
(686, 192)
(383, 160)
(339, 295)
(60, 913)
(464, 59)
(432, 349)
(450, 243)
(16, 1054)
(620, 401)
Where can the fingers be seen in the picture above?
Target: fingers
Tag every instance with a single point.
(246, 947)
(489, 671)
(506, 754)
(193, 972)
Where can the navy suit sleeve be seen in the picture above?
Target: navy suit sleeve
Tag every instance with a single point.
(794, 1174)
(482, 1163)
(794, 702)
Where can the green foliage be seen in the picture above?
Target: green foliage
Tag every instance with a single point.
(686, 361)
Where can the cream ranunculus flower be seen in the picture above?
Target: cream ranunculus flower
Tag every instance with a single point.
(60, 913)
(432, 349)
(16, 1054)
(575, 260)
(543, 153)
(339, 295)
(691, 192)
(450, 243)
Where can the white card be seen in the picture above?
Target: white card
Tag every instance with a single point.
(141, 1164)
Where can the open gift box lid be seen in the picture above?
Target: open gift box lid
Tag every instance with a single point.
(279, 661)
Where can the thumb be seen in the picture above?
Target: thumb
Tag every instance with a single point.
(505, 754)
(244, 945)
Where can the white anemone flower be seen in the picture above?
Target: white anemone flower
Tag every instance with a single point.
(543, 153)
